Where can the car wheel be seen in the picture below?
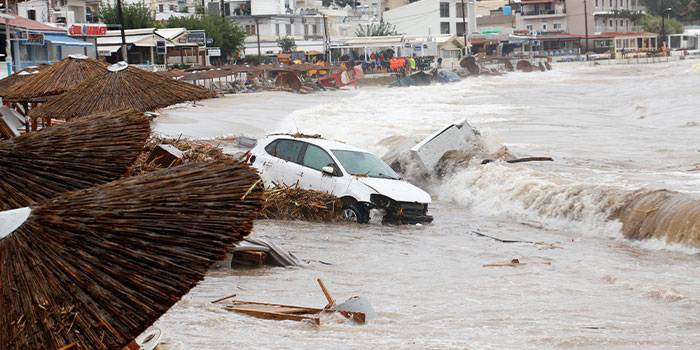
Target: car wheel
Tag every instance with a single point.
(353, 213)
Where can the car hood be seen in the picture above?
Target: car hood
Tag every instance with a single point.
(398, 190)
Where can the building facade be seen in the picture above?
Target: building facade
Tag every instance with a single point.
(603, 16)
(430, 17)
(542, 16)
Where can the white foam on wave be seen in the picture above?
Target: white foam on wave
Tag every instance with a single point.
(528, 195)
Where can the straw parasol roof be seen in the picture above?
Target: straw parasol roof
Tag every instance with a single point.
(71, 156)
(92, 269)
(56, 79)
(9, 81)
(122, 87)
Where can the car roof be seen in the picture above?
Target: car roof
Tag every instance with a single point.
(323, 143)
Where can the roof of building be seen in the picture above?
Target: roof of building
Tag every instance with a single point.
(28, 24)
(609, 35)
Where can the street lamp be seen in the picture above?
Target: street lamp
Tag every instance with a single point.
(666, 12)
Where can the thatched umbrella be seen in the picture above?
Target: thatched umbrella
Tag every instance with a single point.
(71, 156)
(56, 79)
(10, 80)
(123, 86)
(92, 269)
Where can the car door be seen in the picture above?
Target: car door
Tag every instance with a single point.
(288, 155)
(313, 161)
(267, 164)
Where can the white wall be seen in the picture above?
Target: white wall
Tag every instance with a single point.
(37, 5)
(423, 17)
(270, 7)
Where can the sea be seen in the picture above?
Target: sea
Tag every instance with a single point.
(610, 230)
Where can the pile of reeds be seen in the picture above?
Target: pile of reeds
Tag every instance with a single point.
(194, 151)
(288, 81)
(92, 269)
(75, 155)
(130, 88)
(524, 66)
(54, 80)
(282, 202)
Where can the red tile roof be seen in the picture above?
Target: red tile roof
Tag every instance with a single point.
(28, 24)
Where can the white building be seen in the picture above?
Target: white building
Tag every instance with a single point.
(430, 17)
(542, 16)
(62, 12)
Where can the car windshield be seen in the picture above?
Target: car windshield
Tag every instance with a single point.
(364, 164)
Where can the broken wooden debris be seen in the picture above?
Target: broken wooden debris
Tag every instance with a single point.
(522, 160)
(515, 263)
(356, 308)
(540, 245)
(165, 156)
(259, 252)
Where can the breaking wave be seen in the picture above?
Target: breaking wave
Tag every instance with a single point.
(526, 194)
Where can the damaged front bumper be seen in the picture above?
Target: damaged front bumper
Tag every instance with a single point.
(398, 213)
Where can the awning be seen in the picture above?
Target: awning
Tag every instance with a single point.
(58, 39)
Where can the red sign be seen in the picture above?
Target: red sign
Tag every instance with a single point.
(87, 30)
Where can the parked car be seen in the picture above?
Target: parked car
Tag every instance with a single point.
(364, 183)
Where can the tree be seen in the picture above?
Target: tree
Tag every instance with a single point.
(287, 44)
(684, 10)
(224, 33)
(136, 15)
(381, 29)
(653, 24)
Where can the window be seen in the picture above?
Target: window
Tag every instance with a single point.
(288, 29)
(367, 164)
(611, 23)
(31, 14)
(444, 27)
(306, 30)
(556, 26)
(172, 8)
(460, 28)
(622, 23)
(314, 29)
(461, 11)
(529, 28)
(544, 27)
(596, 3)
(445, 10)
(250, 29)
(317, 158)
(160, 7)
(288, 150)
(277, 29)
(610, 3)
(271, 149)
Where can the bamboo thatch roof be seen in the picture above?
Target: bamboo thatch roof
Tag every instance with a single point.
(92, 269)
(71, 156)
(121, 88)
(56, 79)
(9, 81)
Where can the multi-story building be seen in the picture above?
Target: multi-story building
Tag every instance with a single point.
(61, 12)
(430, 17)
(542, 16)
(604, 16)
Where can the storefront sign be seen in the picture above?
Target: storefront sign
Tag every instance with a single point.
(87, 30)
(196, 37)
(214, 51)
(35, 38)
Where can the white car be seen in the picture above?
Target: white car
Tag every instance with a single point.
(364, 183)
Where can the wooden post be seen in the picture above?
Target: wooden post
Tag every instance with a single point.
(329, 297)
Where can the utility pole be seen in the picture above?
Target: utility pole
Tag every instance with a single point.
(120, 14)
(464, 27)
(8, 45)
(257, 32)
(666, 12)
(585, 22)
(326, 40)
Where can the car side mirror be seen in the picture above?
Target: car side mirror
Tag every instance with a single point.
(328, 170)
